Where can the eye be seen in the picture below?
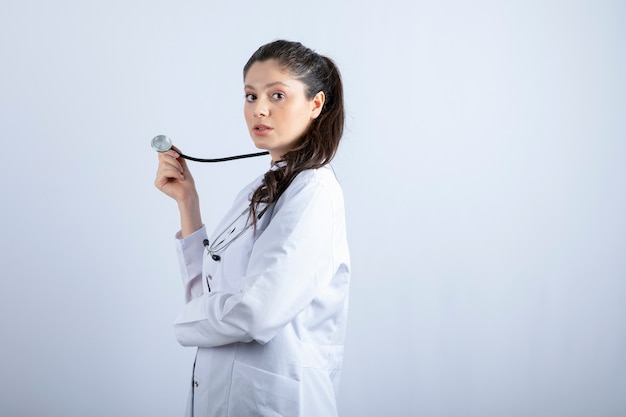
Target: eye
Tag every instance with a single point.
(278, 96)
(250, 98)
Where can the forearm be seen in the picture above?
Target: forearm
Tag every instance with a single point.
(190, 253)
(190, 218)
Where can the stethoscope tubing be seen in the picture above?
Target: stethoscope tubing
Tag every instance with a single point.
(228, 158)
(162, 143)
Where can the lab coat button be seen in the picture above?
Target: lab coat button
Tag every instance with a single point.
(195, 384)
(209, 276)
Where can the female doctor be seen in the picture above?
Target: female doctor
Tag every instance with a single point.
(267, 292)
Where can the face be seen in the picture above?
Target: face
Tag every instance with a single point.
(276, 109)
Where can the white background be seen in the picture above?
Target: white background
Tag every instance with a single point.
(484, 170)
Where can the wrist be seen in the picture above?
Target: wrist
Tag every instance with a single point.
(190, 218)
(189, 202)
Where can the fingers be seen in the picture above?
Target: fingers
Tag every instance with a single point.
(169, 172)
(177, 154)
(173, 177)
(169, 161)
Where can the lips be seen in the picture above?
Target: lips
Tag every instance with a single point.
(261, 127)
(261, 130)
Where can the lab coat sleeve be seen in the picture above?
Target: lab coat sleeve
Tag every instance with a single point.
(291, 260)
(189, 251)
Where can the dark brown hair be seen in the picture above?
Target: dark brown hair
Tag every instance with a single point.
(318, 145)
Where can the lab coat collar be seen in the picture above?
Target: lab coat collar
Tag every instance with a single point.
(278, 164)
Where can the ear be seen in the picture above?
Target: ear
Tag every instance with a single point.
(317, 104)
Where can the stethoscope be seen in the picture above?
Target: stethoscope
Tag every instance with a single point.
(232, 232)
(162, 143)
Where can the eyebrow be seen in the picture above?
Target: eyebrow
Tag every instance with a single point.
(270, 85)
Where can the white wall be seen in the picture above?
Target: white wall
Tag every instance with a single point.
(484, 168)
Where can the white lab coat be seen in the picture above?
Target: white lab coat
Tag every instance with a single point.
(270, 332)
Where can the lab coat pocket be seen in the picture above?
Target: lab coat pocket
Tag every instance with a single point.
(255, 392)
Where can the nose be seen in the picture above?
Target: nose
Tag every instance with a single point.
(260, 108)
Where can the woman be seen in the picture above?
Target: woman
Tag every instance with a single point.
(267, 292)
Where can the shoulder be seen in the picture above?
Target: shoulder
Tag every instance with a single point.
(323, 177)
(316, 183)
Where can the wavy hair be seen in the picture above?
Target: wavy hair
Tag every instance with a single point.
(318, 145)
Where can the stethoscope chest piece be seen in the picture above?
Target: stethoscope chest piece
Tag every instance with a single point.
(161, 143)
